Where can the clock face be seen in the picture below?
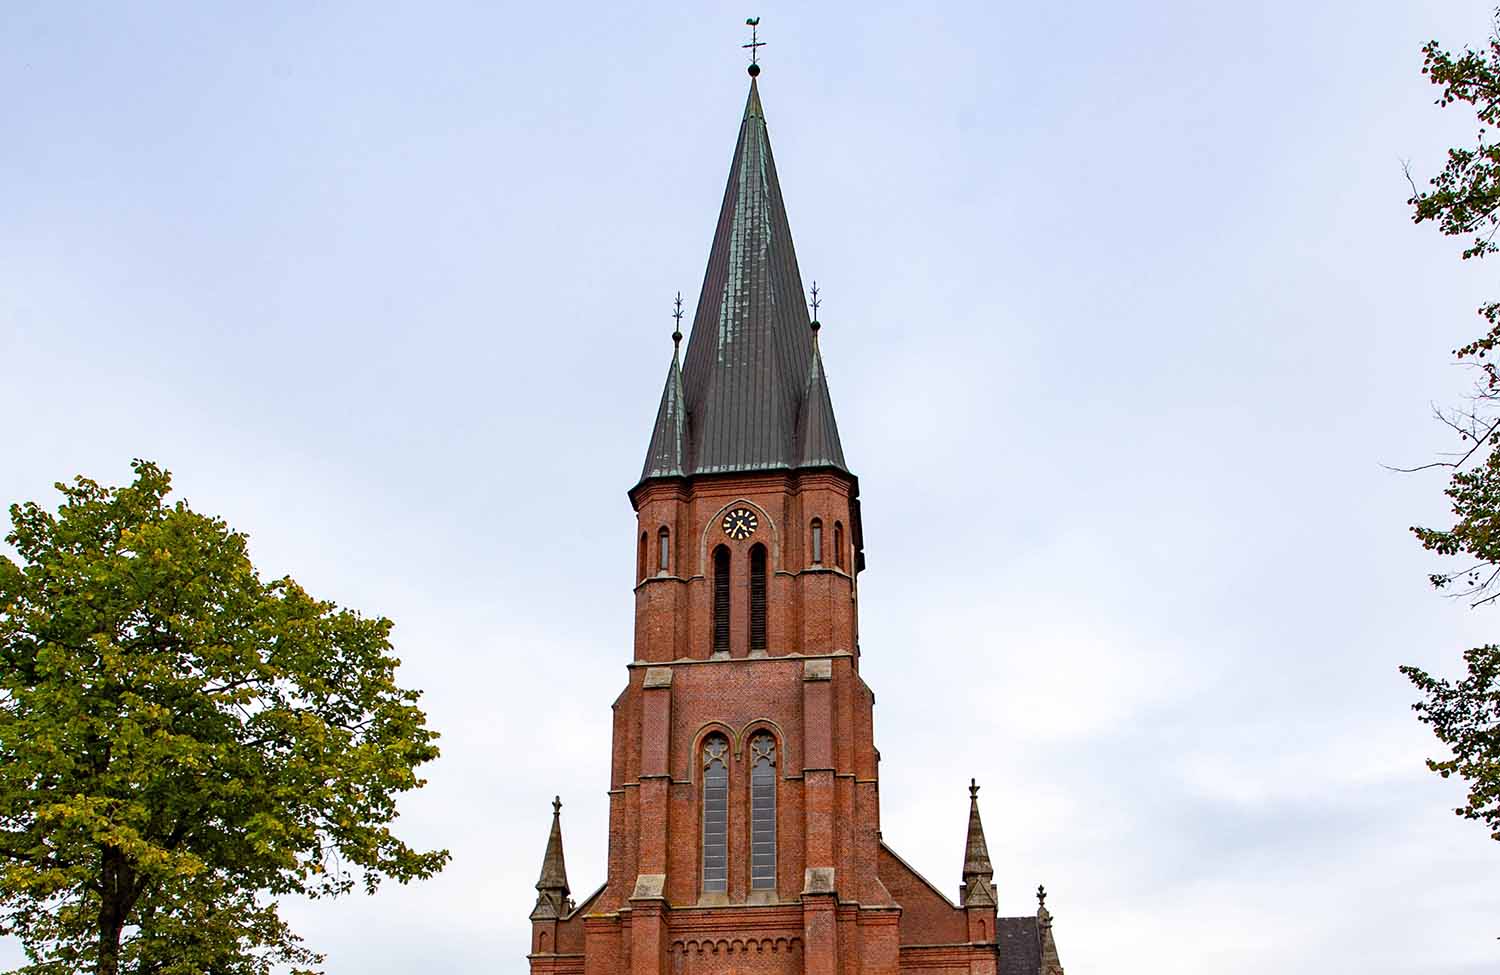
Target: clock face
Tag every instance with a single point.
(740, 523)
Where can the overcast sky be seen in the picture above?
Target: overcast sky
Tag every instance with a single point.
(1123, 314)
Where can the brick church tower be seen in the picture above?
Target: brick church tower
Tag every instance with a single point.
(744, 796)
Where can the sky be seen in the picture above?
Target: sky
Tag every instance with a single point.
(1124, 321)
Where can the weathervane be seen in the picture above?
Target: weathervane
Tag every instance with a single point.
(677, 318)
(755, 45)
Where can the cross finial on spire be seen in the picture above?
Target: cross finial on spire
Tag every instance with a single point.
(973, 788)
(677, 318)
(816, 303)
(755, 45)
(1041, 896)
(557, 805)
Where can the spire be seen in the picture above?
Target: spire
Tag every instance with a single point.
(978, 887)
(552, 886)
(750, 363)
(817, 431)
(1050, 963)
(667, 454)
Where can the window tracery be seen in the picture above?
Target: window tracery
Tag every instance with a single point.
(763, 812)
(715, 814)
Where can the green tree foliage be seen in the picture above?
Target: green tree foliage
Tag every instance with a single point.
(1464, 201)
(180, 742)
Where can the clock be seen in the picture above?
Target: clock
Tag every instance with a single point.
(740, 524)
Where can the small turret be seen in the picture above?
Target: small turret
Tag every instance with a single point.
(552, 886)
(978, 889)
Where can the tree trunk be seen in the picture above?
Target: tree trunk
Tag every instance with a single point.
(114, 889)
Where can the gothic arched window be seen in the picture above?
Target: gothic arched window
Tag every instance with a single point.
(640, 570)
(763, 812)
(838, 544)
(716, 813)
(817, 542)
(721, 600)
(664, 549)
(758, 598)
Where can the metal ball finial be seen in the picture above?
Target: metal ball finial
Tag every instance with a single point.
(754, 70)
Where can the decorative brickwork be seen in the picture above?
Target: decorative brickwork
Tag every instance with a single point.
(744, 823)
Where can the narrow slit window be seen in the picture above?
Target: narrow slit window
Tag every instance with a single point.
(817, 542)
(664, 550)
(716, 814)
(758, 598)
(838, 544)
(721, 600)
(640, 569)
(763, 812)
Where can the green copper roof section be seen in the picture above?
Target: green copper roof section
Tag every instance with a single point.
(745, 374)
(667, 455)
(817, 431)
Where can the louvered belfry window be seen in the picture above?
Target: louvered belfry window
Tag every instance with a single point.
(721, 600)
(715, 813)
(763, 812)
(758, 598)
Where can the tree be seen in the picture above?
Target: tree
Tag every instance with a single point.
(1464, 201)
(181, 742)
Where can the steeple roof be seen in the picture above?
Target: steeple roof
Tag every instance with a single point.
(817, 431)
(979, 875)
(753, 393)
(667, 455)
(552, 886)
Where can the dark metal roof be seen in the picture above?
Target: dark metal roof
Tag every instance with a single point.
(667, 455)
(753, 392)
(817, 431)
(1019, 946)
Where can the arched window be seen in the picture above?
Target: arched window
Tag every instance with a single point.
(763, 812)
(721, 600)
(817, 542)
(758, 598)
(664, 549)
(640, 569)
(838, 544)
(716, 813)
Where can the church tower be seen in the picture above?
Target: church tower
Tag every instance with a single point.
(744, 798)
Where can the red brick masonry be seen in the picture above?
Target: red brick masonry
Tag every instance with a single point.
(843, 903)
